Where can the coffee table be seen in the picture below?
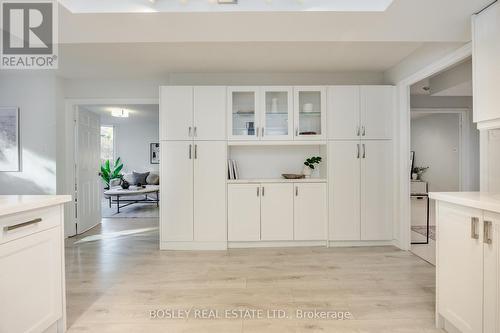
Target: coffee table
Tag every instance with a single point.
(117, 195)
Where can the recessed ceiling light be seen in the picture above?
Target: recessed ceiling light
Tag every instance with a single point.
(225, 2)
(120, 113)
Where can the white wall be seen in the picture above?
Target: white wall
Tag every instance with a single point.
(440, 102)
(35, 95)
(132, 139)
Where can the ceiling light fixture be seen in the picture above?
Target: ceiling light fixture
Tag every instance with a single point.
(120, 113)
(227, 2)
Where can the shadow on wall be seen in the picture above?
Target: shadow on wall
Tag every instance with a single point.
(37, 176)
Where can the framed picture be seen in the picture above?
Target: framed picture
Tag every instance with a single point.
(9, 139)
(412, 161)
(154, 153)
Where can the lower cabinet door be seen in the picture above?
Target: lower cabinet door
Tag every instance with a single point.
(31, 282)
(310, 211)
(176, 191)
(277, 212)
(491, 241)
(210, 191)
(460, 266)
(243, 212)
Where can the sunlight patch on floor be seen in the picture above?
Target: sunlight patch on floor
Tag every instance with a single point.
(115, 234)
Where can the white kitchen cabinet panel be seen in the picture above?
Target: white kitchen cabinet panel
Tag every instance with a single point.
(345, 190)
(209, 113)
(243, 212)
(243, 116)
(176, 113)
(31, 276)
(491, 241)
(310, 211)
(376, 185)
(344, 112)
(377, 108)
(277, 113)
(460, 267)
(309, 113)
(176, 190)
(486, 67)
(209, 190)
(277, 212)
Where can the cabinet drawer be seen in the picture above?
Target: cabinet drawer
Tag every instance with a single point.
(26, 223)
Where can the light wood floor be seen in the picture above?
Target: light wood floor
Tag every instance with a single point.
(114, 283)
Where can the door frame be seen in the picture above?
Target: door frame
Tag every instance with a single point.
(402, 235)
(69, 166)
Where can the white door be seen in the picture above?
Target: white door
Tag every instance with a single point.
(460, 267)
(277, 113)
(209, 113)
(343, 112)
(376, 185)
(377, 108)
(345, 190)
(310, 211)
(176, 113)
(88, 159)
(31, 287)
(176, 192)
(243, 220)
(491, 272)
(243, 115)
(277, 212)
(309, 113)
(210, 190)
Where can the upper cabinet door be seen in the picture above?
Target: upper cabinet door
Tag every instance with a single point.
(209, 113)
(344, 112)
(243, 116)
(486, 68)
(310, 113)
(277, 116)
(377, 108)
(176, 113)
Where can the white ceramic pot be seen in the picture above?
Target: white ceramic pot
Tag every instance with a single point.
(414, 176)
(307, 171)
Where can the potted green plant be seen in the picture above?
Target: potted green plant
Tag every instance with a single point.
(309, 165)
(419, 171)
(109, 173)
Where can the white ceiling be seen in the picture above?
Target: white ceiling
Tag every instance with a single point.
(137, 112)
(117, 6)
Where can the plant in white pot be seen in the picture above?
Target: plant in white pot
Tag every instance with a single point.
(309, 165)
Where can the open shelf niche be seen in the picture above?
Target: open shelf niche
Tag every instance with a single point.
(267, 163)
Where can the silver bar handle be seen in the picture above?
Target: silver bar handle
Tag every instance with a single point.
(262, 131)
(358, 131)
(357, 150)
(23, 224)
(296, 132)
(189, 131)
(488, 228)
(195, 131)
(258, 188)
(262, 190)
(258, 131)
(474, 222)
(363, 131)
(296, 191)
(364, 150)
(195, 152)
(190, 148)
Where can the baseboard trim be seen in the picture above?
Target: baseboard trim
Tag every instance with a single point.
(193, 246)
(359, 243)
(263, 244)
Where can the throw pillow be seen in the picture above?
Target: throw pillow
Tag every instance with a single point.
(140, 178)
(153, 179)
(129, 178)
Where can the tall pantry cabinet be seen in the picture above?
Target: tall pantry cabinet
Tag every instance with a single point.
(193, 157)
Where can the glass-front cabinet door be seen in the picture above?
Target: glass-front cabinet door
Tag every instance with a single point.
(277, 116)
(243, 115)
(310, 113)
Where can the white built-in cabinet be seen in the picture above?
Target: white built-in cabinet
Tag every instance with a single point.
(193, 113)
(277, 212)
(310, 112)
(486, 67)
(468, 268)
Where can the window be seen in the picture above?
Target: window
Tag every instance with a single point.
(107, 143)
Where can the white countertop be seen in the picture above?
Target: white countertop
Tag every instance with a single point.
(12, 204)
(277, 180)
(479, 200)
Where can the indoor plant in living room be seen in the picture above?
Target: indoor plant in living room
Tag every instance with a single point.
(109, 173)
(309, 165)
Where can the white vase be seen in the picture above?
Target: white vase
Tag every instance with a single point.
(307, 171)
(414, 176)
(274, 105)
